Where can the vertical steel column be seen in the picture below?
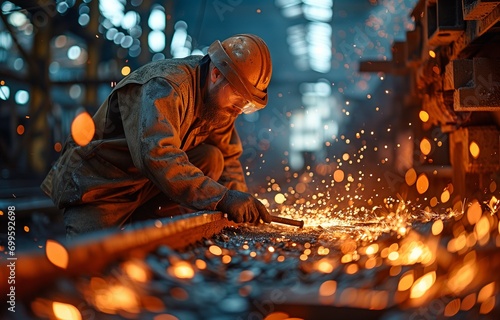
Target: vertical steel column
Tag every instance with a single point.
(39, 142)
(93, 49)
(169, 27)
(144, 10)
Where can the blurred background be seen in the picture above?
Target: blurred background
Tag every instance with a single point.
(341, 99)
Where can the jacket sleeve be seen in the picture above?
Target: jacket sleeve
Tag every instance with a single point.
(151, 114)
(228, 141)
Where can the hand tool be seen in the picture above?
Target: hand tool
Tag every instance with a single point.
(291, 222)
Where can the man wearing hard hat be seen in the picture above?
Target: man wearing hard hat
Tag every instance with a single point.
(165, 140)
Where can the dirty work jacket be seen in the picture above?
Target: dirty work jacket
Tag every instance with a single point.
(142, 132)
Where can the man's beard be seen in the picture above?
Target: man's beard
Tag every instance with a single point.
(212, 113)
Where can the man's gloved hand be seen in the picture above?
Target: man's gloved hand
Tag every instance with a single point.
(243, 207)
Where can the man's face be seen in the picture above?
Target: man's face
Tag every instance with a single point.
(221, 104)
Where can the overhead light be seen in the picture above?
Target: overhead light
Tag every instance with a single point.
(157, 19)
(130, 19)
(156, 41)
(112, 10)
(316, 13)
(292, 11)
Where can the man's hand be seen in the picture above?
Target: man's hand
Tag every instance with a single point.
(243, 207)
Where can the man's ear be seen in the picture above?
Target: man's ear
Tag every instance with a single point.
(215, 74)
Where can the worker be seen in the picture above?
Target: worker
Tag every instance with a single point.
(165, 142)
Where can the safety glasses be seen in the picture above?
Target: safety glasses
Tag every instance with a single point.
(246, 106)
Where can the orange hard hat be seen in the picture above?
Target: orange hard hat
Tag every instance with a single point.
(245, 62)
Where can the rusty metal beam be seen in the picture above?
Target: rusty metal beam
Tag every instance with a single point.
(471, 172)
(444, 22)
(395, 66)
(90, 253)
(457, 74)
(478, 9)
(473, 30)
(489, 20)
(479, 86)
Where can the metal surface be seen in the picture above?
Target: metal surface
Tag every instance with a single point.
(90, 253)
(480, 88)
(444, 22)
(478, 9)
(278, 272)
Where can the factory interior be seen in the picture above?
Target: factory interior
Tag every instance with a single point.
(381, 136)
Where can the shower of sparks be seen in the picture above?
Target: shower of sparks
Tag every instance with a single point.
(373, 239)
(376, 259)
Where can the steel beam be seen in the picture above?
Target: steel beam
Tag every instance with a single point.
(444, 22)
(476, 84)
(478, 9)
(90, 253)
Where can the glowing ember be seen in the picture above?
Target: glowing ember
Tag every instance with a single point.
(338, 175)
(445, 196)
(486, 292)
(201, 264)
(462, 276)
(422, 285)
(474, 213)
(324, 266)
(57, 254)
(474, 149)
(452, 308)
(411, 177)
(422, 183)
(437, 227)
(20, 130)
(83, 129)
(423, 115)
(181, 270)
(114, 298)
(279, 198)
(468, 302)
(246, 275)
(65, 311)
(226, 259)
(425, 146)
(372, 249)
(487, 306)
(136, 270)
(215, 250)
(328, 288)
(406, 281)
(482, 228)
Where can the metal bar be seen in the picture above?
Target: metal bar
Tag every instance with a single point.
(90, 253)
(290, 222)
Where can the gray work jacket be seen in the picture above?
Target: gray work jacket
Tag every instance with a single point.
(142, 132)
